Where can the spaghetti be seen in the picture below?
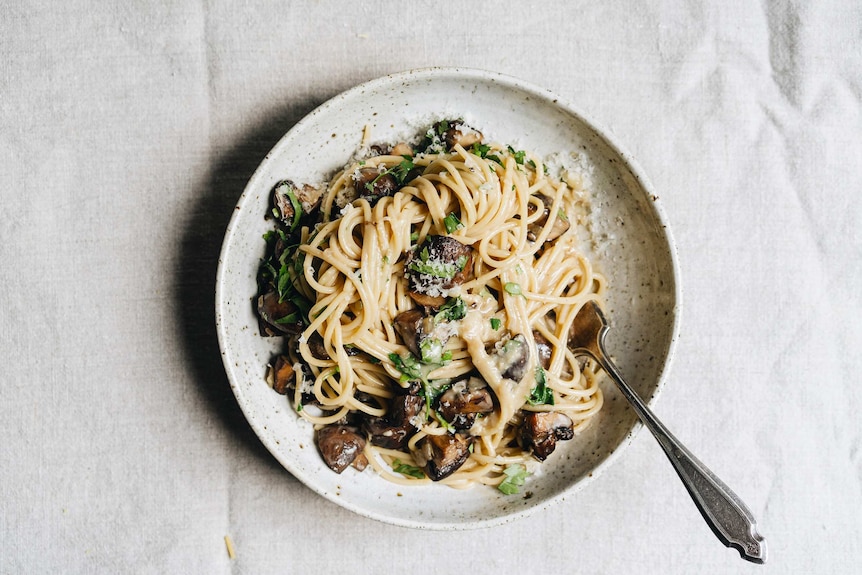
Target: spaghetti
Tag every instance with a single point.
(427, 294)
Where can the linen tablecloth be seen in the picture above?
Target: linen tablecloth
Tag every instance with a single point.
(128, 131)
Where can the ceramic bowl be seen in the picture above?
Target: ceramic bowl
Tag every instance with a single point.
(634, 250)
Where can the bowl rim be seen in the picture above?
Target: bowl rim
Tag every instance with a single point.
(508, 81)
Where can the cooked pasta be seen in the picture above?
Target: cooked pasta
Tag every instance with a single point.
(427, 294)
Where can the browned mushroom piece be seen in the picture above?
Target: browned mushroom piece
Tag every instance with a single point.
(423, 335)
(461, 403)
(456, 132)
(441, 455)
(410, 326)
(540, 432)
(400, 423)
(286, 196)
(401, 149)
(435, 267)
(561, 223)
(379, 150)
(318, 350)
(372, 184)
(512, 356)
(283, 376)
(543, 349)
(278, 317)
(341, 446)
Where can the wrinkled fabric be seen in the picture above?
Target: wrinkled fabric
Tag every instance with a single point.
(127, 132)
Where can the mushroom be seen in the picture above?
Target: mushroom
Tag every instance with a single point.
(282, 375)
(540, 432)
(512, 357)
(561, 223)
(341, 446)
(372, 185)
(400, 423)
(459, 133)
(441, 455)
(278, 317)
(424, 335)
(318, 349)
(286, 196)
(401, 149)
(460, 404)
(543, 349)
(435, 267)
(410, 325)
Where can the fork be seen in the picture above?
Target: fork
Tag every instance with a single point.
(723, 510)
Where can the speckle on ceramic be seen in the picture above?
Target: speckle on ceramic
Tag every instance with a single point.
(635, 252)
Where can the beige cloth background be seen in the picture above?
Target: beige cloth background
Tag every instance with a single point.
(127, 132)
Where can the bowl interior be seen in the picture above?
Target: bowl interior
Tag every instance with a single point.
(633, 249)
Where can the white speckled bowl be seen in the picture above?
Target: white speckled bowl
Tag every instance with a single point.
(636, 255)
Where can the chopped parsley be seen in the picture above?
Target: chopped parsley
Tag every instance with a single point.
(437, 269)
(453, 310)
(431, 350)
(399, 172)
(495, 323)
(513, 288)
(452, 223)
(519, 155)
(480, 150)
(408, 366)
(541, 394)
(408, 470)
(515, 474)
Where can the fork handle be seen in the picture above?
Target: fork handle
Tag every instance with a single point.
(723, 510)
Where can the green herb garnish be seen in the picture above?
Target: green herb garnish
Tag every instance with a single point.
(452, 223)
(519, 155)
(408, 470)
(495, 323)
(453, 310)
(541, 394)
(408, 366)
(515, 474)
(480, 150)
(437, 269)
(513, 288)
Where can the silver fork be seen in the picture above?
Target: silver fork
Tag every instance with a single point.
(723, 510)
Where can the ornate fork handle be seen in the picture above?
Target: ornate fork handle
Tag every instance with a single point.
(723, 510)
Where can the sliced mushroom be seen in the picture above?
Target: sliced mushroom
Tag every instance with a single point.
(278, 317)
(540, 432)
(341, 446)
(441, 455)
(561, 223)
(512, 356)
(410, 326)
(378, 150)
(460, 404)
(424, 335)
(401, 149)
(435, 267)
(283, 195)
(461, 134)
(543, 349)
(399, 424)
(282, 375)
(372, 184)
(318, 350)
